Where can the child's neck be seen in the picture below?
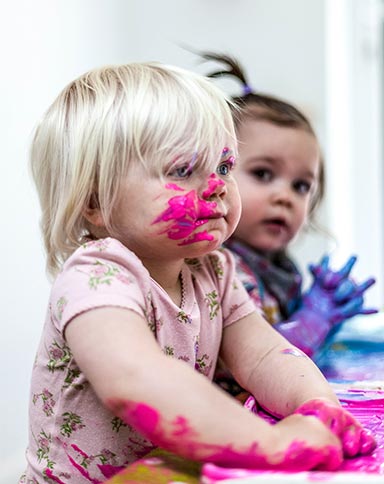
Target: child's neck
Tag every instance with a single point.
(167, 275)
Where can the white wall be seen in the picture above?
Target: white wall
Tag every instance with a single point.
(46, 43)
(353, 118)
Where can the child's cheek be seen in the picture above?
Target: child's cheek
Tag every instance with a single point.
(185, 213)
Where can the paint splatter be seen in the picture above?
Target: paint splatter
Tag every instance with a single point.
(294, 352)
(185, 213)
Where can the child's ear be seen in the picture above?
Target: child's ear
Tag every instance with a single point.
(93, 213)
(94, 217)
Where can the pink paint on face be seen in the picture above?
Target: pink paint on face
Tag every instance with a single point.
(199, 237)
(179, 437)
(213, 183)
(173, 186)
(186, 213)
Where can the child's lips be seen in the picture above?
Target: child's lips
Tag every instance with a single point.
(206, 218)
(276, 224)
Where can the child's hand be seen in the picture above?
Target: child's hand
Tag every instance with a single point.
(354, 438)
(307, 444)
(332, 298)
(334, 294)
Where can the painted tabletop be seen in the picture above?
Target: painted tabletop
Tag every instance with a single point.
(352, 359)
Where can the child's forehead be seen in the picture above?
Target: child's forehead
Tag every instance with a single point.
(206, 157)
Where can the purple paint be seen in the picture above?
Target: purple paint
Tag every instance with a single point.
(294, 352)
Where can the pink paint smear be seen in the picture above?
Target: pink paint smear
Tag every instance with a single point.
(187, 212)
(179, 437)
(368, 408)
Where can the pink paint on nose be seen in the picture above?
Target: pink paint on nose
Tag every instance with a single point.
(213, 183)
(185, 213)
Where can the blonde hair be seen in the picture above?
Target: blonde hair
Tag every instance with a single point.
(107, 120)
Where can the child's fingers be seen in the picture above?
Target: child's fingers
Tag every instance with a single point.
(348, 289)
(354, 438)
(368, 442)
(351, 441)
(318, 270)
(345, 291)
(356, 441)
(346, 269)
(361, 288)
(333, 278)
(369, 311)
(348, 309)
(324, 263)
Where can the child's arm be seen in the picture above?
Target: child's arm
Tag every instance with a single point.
(284, 380)
(181, 410)
(332, 298)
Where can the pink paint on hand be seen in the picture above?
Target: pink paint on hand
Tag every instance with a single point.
(369, 413)
(179, 437)
(355, 439)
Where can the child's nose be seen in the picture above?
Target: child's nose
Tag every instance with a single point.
(215, 187)
(283, 194)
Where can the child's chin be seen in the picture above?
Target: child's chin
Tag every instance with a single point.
(202, 247)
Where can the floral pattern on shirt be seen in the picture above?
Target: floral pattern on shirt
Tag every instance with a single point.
(74, 439)
(46, 399)
(103, 273)
(211, 299)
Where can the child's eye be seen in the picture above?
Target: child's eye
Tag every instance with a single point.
(263, 174)
(183, 171)
(224, 168)
(302, 187)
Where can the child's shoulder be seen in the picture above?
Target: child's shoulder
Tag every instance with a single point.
(107, 249)
(103, 258)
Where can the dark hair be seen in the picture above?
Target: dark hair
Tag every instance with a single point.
(259, 106)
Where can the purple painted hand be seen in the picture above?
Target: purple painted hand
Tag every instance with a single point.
(354, 438)
(335, 294)
(332, 298)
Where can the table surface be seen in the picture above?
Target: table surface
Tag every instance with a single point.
(353, 361)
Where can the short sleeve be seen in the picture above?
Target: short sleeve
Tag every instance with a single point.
(99, 274)
(235, 301)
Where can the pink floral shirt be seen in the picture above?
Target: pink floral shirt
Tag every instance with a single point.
(73, 438)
